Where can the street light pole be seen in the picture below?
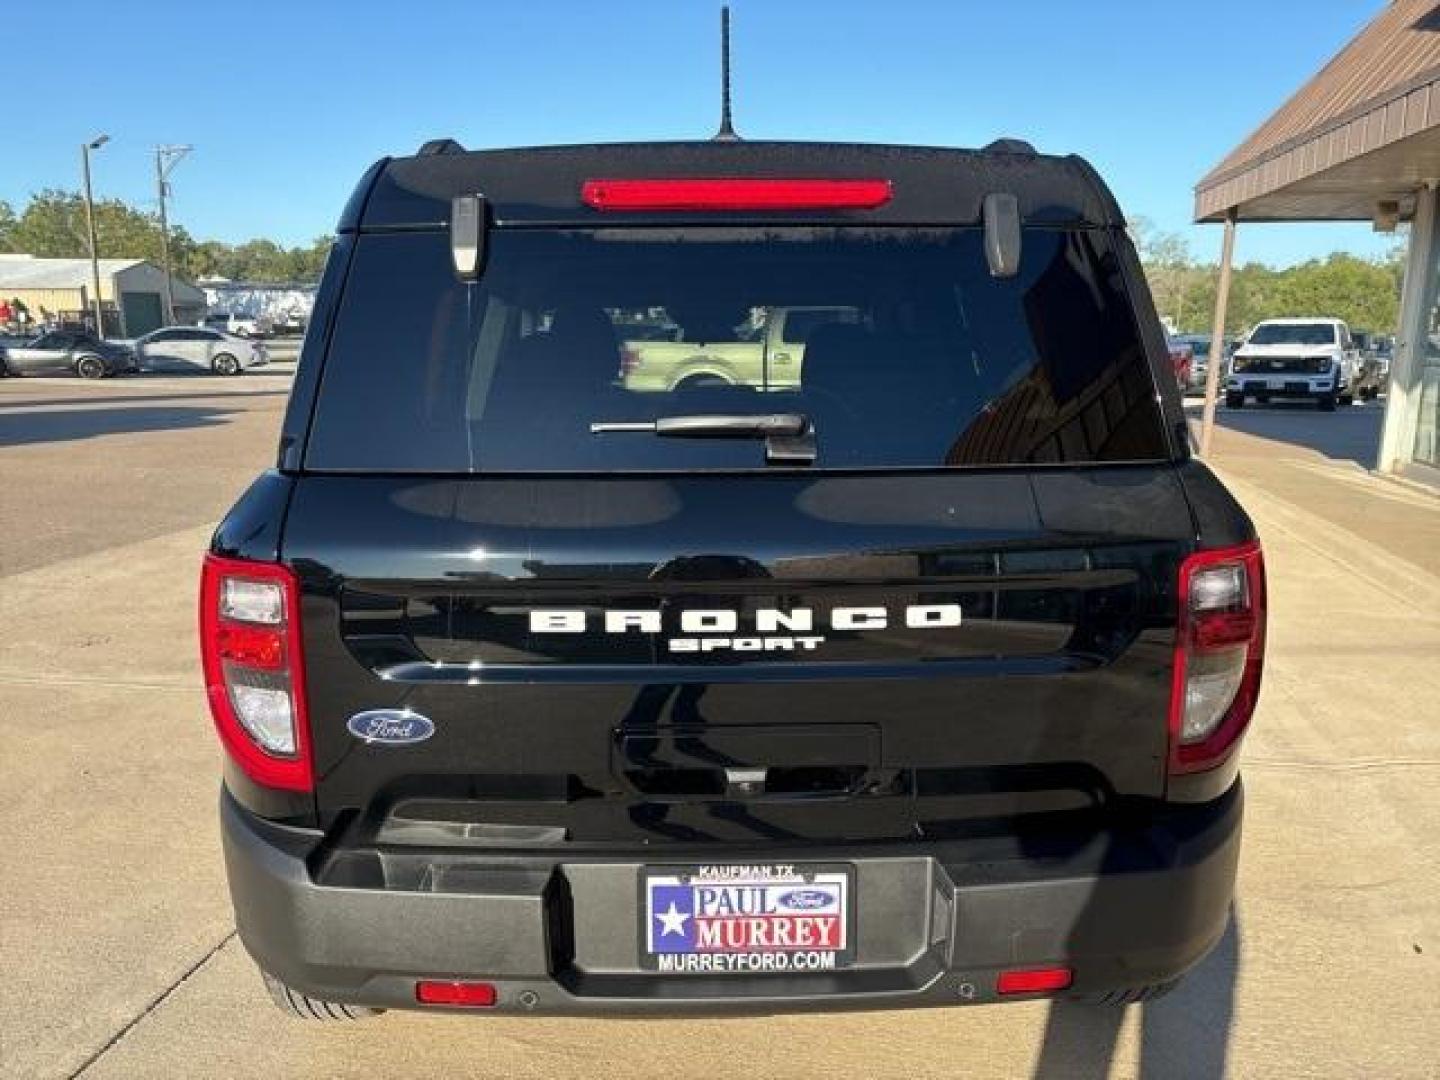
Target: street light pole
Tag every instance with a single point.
(85, 148)
(166, 158)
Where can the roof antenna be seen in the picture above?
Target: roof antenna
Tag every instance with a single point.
(727, 131)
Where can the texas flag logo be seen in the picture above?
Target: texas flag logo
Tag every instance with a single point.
(672, 918)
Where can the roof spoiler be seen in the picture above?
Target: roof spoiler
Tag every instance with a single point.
(468, 227)
(439, 146)
(1002, 234)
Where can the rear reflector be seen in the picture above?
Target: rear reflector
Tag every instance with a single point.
(254, 671)
(735, 194)
(1219, 654)
(473, 995)
(1034, 980)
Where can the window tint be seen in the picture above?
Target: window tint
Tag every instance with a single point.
(800, 323)
(913, 356)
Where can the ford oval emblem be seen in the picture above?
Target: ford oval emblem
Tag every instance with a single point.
(805, 899)
(390, 727)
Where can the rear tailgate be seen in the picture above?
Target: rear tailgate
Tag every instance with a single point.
(889, 721)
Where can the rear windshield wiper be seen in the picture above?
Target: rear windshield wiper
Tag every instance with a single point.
(789, 438)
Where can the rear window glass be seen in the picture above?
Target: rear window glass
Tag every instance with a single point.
(896, 344)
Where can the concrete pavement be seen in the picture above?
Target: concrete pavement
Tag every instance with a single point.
(93, 465)
(115, 929)
(1321, 463)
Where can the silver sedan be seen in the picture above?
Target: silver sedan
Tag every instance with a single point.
(198, 348)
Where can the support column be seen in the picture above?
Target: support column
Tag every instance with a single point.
(1402, 402)
(1215, 367)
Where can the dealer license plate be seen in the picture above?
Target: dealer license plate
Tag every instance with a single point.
(746, 920)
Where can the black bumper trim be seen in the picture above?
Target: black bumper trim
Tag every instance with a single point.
(1134, 907)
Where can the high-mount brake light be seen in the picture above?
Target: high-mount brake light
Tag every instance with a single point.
(735, 193)
(1219, 654)
(254, 670)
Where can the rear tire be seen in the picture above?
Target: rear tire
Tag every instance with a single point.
(225, 364)
(303, 1007)
(1234, 401)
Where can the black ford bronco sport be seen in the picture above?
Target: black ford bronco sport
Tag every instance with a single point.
(907, 667)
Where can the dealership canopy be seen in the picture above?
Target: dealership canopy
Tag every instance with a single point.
(1359, 142)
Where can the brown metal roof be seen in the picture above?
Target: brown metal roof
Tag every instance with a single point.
(1381, 89)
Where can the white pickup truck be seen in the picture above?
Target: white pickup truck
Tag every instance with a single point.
(768, 355)
(1295, 358)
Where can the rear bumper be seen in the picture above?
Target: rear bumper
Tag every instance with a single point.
(935, 922)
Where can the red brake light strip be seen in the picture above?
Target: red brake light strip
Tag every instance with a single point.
(732, 193)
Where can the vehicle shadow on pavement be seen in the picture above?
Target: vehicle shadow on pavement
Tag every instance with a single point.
(1350, 434)
(268, 373)
(125, 399)
(67, 425)
(1183, 1035)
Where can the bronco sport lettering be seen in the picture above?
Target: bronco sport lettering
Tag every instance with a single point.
(767, 621)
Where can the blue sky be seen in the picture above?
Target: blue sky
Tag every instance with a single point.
(287, 103)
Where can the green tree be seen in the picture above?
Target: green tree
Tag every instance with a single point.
(1360, 291)
(53, 226)
(1363, 292)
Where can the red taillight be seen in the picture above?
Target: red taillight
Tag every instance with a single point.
(735, 194)
(1034, 980)
(254, 670)
(474, 995)
(629, 361)
(1219, 654)
(250, 646)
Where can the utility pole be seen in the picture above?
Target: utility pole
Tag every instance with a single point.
(85, 148)
(166, 158)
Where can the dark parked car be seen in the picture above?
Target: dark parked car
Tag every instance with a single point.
(67, 352)
(919, 681)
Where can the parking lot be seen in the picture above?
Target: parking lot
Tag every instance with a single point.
(115, 926)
